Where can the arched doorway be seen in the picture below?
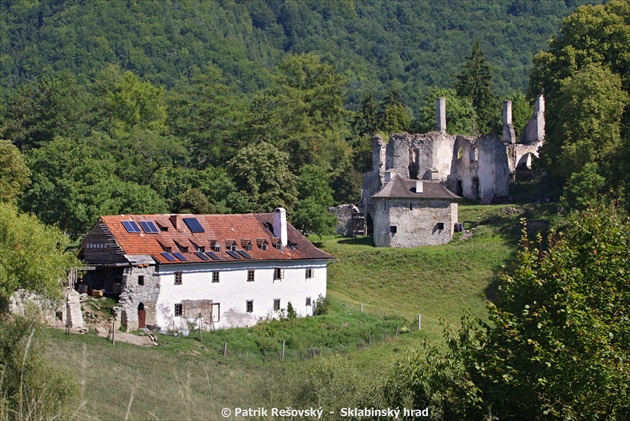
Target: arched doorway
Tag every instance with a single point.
(142, 316)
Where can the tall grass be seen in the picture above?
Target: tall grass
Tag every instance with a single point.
(188, 378)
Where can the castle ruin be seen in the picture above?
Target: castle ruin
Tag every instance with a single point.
(477, 168)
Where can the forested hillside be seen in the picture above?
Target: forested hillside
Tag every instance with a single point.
(415, 44)
(230, 106)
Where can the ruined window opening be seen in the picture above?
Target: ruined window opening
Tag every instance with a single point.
(410, 206)
(276, 304)
(460, 153)
(140, 279)
(474, 154)
(309, 273)
(308, 301)
(250, 275)
(393, 229)
(278, 273)
(178, 310)
(178, 278)
(249, 306)
(215, 277)
(440, 225)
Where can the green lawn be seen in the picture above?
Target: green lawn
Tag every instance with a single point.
(190, 379)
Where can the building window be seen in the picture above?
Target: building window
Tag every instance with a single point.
(140, 279)
(279, 246)
(310, 273)
(248, 247)
(276, 304)
(440, 225)
(215, 277)
(178, 310)
(250, 275)
(278, 273)
(308, 301)
(263, 246)
(233, 247)
(249, 306)
(178, 278)
(217, 248)
(393, 229)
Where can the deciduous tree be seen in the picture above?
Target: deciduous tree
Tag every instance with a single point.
(261, 172)
(14, 174)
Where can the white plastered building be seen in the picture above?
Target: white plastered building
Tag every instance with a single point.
(174, 272)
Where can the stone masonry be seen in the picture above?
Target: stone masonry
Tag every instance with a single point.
(478, 168)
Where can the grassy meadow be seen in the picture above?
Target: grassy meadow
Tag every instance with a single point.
(329, 361)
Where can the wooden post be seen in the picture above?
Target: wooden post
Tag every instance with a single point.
(224, 349)
(397, 330)
(282, 358)
(361, 307)
(419, 322)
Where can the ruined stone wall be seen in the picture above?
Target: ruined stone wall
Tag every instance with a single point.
(343, 213)
(415, 226)
(133, 294)
(475, 168)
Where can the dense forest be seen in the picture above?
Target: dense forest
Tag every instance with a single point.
(229, 106)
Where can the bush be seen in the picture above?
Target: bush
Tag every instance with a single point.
(322, 305)
(30, 387)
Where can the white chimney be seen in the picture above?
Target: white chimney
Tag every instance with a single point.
(280, 225)
(419, 187)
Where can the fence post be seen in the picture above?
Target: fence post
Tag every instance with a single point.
(282, 358)
(224, 349)
(361, 307)
(114, 333)
(419, 322)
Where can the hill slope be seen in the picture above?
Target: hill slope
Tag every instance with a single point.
(374, 43)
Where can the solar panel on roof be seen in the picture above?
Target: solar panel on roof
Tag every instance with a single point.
(212, 255)
(193, 225)
(149, 227)
(131, 226)
(244, 254)
(233, 254)
(179, 256)
(168, 256)
(202, 255)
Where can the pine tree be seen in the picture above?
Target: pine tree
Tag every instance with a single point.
(475, 82)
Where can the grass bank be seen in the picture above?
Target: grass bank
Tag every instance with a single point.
(329, 360)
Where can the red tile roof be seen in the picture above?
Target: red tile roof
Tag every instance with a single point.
(218, 229)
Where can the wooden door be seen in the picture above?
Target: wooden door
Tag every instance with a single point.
(142, 317)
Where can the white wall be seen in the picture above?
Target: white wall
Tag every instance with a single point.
(233, 290)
